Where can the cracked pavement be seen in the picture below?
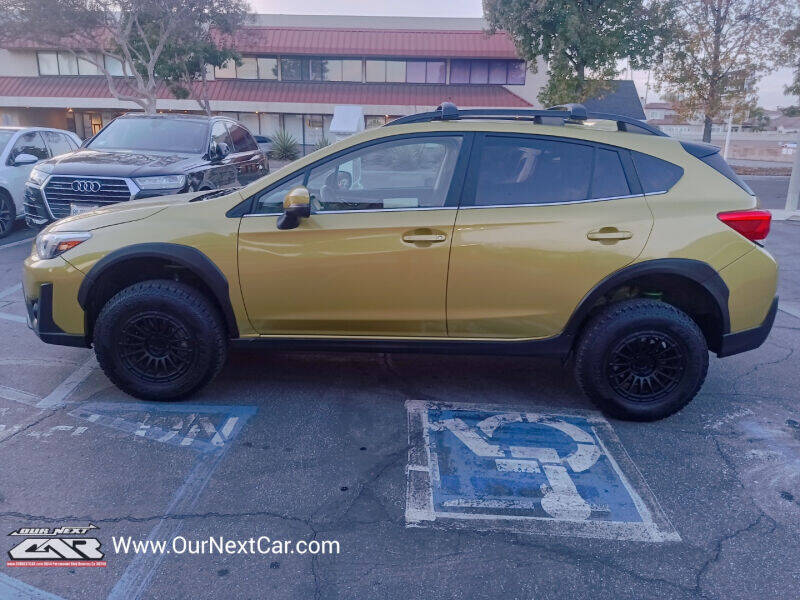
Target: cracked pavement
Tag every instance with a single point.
(324, 458)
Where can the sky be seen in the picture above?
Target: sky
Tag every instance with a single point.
(770, 87)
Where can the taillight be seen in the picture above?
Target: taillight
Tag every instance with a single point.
(752, 224)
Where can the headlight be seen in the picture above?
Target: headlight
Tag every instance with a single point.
(37, 176)
(161, 182)
(50, 245)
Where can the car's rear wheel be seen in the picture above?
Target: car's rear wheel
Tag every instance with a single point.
(160, 340)
(641, 359)
(8, 214)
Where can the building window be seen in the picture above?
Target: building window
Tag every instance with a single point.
(294, 69)
(373, 122)
(226, 71)
(114, 66)
(88, 68)
(376, 71)
(426, 71)
(48, 63)
(396, 71)
(248, 69)
(67, 64)
(267, 68)
(498, 72)
(352, 70)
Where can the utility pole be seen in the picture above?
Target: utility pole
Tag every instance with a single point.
(728, 135)
(793, 196)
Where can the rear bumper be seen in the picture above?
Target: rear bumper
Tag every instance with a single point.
(749, 339)
(40, 320)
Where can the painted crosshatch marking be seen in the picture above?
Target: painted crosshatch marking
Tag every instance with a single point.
(534, 471)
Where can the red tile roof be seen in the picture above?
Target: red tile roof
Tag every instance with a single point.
(238, 90)
(372, 42)
(351, 42)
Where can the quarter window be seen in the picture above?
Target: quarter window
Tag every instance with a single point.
(655, 175)
(242, 140)
(532, 171)
(401, 174)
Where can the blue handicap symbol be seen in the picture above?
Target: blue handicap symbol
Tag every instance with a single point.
(524, 464)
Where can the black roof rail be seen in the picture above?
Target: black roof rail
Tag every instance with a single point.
(566, 113)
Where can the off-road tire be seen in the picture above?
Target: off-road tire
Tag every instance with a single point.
(173, 319)
(659, 338)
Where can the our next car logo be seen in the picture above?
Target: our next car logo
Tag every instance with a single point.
(85, 185)
(56, 547)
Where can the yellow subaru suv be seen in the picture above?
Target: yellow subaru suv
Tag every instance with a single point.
(591, 237)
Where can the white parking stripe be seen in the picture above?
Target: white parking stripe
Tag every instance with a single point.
(15, 318)
(790, 308)
(18, 243)
(11, 290)
(57, 397)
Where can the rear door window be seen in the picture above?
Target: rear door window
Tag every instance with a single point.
(522, 170)
(608, 179)
(656, 175)
(57, 142)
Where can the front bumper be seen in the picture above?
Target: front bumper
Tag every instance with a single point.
(749, 339)
(40, 320)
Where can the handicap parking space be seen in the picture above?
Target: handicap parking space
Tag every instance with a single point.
(439, 476)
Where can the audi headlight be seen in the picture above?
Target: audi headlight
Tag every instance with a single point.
(50, 245)
(37, 176)
(161, 182)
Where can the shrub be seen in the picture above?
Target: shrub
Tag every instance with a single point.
(284, 146)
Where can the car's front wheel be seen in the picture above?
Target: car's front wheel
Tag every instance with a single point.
(160, 340)
(641, 359)
(8, 214)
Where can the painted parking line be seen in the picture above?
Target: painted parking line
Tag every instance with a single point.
(14, 289)
(790, 308)
(203, 427)
(14, 588)
(543, 471)
(28, 240)
(58, 397)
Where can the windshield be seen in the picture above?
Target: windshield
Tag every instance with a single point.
(153, 134)
(5, 135)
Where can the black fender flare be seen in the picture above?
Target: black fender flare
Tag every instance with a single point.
(186, 256)
(698, 271)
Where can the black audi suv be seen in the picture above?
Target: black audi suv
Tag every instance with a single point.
(140, 156)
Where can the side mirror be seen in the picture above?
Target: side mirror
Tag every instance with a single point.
(296, 206)
(25, 159)
(219, 150)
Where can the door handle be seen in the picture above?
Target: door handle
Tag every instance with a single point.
(608, 234)
(424, 236)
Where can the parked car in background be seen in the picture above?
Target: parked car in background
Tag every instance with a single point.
(20, 149)
(265, 143)
(140, 156)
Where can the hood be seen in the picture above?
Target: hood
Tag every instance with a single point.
(122, 212)
(118, 163)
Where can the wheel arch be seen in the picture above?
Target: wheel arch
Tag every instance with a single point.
(691, 285)
(139, 262)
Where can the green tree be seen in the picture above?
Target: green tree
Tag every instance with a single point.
(716, 54)
(135, 44)
(582, 41)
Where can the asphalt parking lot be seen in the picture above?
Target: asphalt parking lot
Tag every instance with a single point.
(409, 463)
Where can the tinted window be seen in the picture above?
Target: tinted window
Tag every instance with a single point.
(655, 175)
(28, 143)
(271, 201)
(57, 142)
(242, 140)
(716, 162)
(152, 134)
(609, 177)
(220, 135)
(406, 173)
(532, 171)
